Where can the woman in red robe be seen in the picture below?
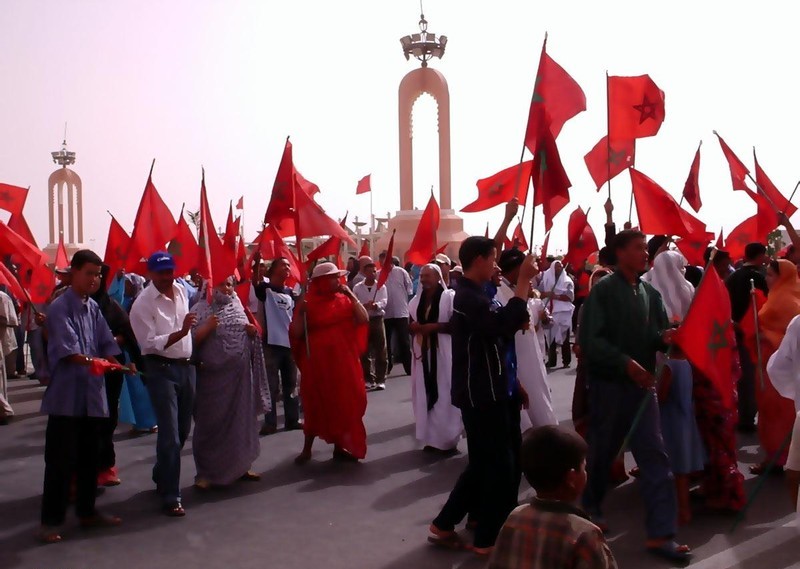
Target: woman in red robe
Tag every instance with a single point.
(329, 334)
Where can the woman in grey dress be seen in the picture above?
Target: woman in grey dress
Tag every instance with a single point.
(232, 390)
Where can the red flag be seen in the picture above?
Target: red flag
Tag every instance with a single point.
(441, 250)
(659, 213)
(231, 230)
(545, 246)
(556, 99)
(691, 189)
(282, 201)
(635, 107)
(424, 245)
(244, 268)
(741, 235)
(12, 198)
(500, 188)
(18, 224)
(604, 163)
(272, 246)
(706, 335)
(720, 244)
(739, 171)
(329, 248)
(62, 259)
(240, 204)
(153, 228)
(364, 185)
(364, 252)
(314, 222)
(550, 182)
(12, 243)
(117, 247)
(13, 286)
(40, 283)
(486, 233)
(310, 188)
(216, 262)
(184, 249)
(767, 216)
(389, 264)
(582, 240)
(771, 191)
(518, 238)
(694, 248)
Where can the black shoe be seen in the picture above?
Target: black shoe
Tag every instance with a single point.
(4, 421)
(747, 429)
(267, 430)
(296, 426)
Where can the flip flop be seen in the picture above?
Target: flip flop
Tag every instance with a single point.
(673, 552)
(48, 535)
(452, 541)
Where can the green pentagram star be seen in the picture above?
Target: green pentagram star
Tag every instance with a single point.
(537, 96)
(615, 157)
(647, 110)
(719, 337)
(175, 249)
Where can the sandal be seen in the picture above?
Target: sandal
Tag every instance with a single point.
(250, 476)
(483, 552)
(100, 521)
(174, 510)
(49, 535)
(445, 539)
(671, 551)
(202, 484)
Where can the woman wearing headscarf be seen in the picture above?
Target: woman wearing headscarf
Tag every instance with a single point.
(329, 335)
(558, 291)
(438, 421)
(231, 391)
(776, 413)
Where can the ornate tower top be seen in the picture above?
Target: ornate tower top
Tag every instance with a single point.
(63, 157)
(424, 45)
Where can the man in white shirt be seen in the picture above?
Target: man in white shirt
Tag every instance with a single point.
(162, 323)
(399, 290)
(8, 343)
(374, 360)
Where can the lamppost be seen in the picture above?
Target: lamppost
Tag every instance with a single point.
(424, 45)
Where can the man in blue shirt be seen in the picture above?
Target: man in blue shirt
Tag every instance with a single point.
(75, 399)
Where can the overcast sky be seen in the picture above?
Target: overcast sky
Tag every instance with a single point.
(221, 83)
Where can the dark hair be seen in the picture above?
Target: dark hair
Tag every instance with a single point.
(548, 453)
(606, 257)
(510, 259)
(753, 250)
(694, 275)
(85, 257)
(625, 238)
(274, 264)
(655, 243)
(720, 257)
(472, 248)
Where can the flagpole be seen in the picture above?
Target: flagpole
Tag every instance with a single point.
(794, 191)
(758, 334)
(608, 137)
(522, 152)
(371, 225)
(152, 165)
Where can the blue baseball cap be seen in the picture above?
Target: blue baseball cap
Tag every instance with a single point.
(160, 261)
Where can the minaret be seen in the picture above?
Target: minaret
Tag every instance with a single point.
(65, 193)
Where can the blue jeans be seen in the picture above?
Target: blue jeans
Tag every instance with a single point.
(171, 387)
(612, 406)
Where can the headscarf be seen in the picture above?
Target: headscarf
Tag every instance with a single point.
(668, 278)
(231, 317)
(782, 305)
(429, 314)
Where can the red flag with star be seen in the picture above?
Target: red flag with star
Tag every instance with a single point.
(605, 160)
(40, 283)
(550, 182)
(500, 188)
(706, 335)
(582, 240)
(272, 246)
(741, 235)
(693, 248)
(384, 275)
(364, 185)
(62, 259)
(153, 227)
(282, 201)
(423, 245)
(12, 198)
(13, 286)
(659, 213)
(691, 189)
(330, 248)
(518, 238)
(738, 170)
(183, 248)
(310, 188)
(768, 218)
(557, 97)
(771, 191)
(635, 107)
(18, 224)
(12, 243)
(216, 262)
(117, 246)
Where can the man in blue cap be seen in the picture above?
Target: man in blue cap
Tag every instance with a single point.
(162, 324)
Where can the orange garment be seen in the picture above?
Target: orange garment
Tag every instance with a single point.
(332, 388)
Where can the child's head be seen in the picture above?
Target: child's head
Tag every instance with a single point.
(554, 462)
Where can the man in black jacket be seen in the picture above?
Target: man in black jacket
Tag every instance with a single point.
(481, 389)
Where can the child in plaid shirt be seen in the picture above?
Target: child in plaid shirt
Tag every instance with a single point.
(551, 532)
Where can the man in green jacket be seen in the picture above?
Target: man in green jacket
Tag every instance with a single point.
(623, 325)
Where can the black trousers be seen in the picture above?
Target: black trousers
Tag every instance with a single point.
(489, 485)
(107, 457)
(746, 385)
(566, 353)
(397, 328)
(71, 448)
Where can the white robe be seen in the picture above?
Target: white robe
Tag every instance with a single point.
(537, 306)
(531, 372)
(440, 427)
(560, 310)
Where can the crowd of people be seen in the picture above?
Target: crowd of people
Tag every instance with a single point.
(176, 355)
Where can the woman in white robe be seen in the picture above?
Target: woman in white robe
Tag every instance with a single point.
(558, 292)
(439, 425)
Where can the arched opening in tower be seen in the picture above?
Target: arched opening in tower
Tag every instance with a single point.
(425, 149)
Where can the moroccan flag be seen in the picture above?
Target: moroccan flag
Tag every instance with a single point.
(582, 240)
(62, 259)
(117, 247)
(691, 189)
(13, 286)
(272, 246)
(183, 248)
(40, 283)
(12, 243)
(12, 198)
(364, 185)
(659, 213)
(18, 224)
(364, 252)
(739, 171)
(216, 262)
(231, 230)
(382, 278)
(605, 160)
(502, 187)
(282, 201)
(329, 248)
(518, 238)
(706, 335)
(153, 227)
(556, 99)
(310, 188)
(635, 107)
(769, 190)
(768, 218)
(423, 245)
(313, 221)
(240, 204)
(244, 268)
(550, 182)
(743, 234)
(694, 248)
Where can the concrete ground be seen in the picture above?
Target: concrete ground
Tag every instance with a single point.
(372, 515)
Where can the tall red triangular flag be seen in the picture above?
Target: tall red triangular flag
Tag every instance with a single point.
(12, 243)
(329, 248)
(635, 107)
(314, 222)
(184, 249)
(691, 189)
(423, 245)
(720, 244)
(310, 188)
(240, 204)
(12, 198)
(693, 248)
(502, 187)
(743, 234)
(557, 97)
(550, 182)
(117, 247)
(582, 240)
(364, 185)
(706, 335)
(18, 224)
(486, 233)
(62, 259)
(244, 268)
(767, 215)
(282, 201)
(364, 252)
(272, 246)
(39, 283)
(518, 238)
(231, 230)
(659, 213)
(545, 246)
(389, 266)
(441, 250)
(739, 171)
(13, 286)
(609, 159)
(771, 191)
(216, 262)
(153, 227)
